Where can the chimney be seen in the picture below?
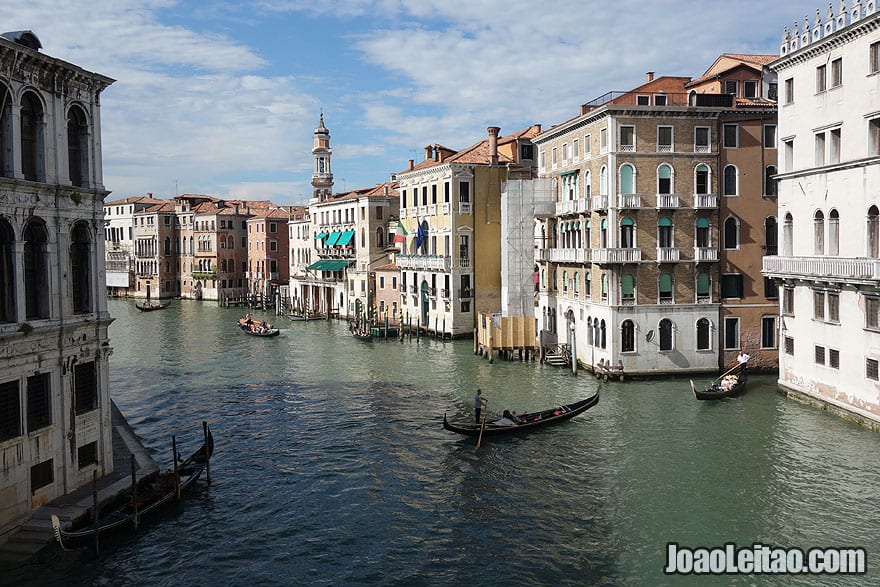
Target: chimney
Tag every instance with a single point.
(649, 77)
(149, 194)
(436, 152)
(429, 152)
(493, 144)
(411, 161)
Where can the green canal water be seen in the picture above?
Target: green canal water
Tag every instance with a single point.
(332, 467)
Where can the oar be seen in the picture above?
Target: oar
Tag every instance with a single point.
(482, 425)
(737, 366)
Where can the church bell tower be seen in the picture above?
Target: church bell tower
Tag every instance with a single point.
(322, 178)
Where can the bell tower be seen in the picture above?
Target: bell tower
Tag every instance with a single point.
(322, 177)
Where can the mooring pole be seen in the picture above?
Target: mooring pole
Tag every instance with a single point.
(207, 456)
(134, 494)
(95, 508)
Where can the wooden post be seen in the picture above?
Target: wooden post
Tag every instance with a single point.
(95, 508)
(207, 457)
(176, 476)
(134, 494)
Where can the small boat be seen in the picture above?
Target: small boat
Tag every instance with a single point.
(254, 329)
(149, 307)
(362, 335)
(152, 493)
(730, 384)
(525, 421)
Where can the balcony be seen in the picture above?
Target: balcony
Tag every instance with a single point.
(444, 208)
(668, 254)
(424, 262)
(629, 201)
(857, 270)
(444, 293)
(706, 201)
(464, 207)
(610, 256)
(667, 201)
(542, 254)
(579, 206)
(600, 202)
(703, 254)
(569, 255)
(464, 262)
(204, 275)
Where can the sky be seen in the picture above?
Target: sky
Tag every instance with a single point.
(222, 97)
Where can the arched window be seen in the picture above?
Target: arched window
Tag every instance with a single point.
(364, 240)
(628, 288)
(627, 336)
(222, 265)
(565, 282)
(819, 233)
(6, 147)
(771, 236)
(666, 338)
(704, 343)
(80, 268)
(380, 238)
(873, 232)
(77, 146)
(543, 279)
(770, 181)
(167, 245)
(787, 235)
(7, 272)
(664, 232)
(604, 286)
(602, 334)
(627, 179)
(664, 179)
(554, 285)
(577, 284)
(587, 240)
(590, 337)
(36, 270)
(833, 233)
(603, 234)
(588, 286)
(731, 233)
(32, 138)
(703, 234)
(664, 283)
(731, 180)
(704, 291)
(603, 181)
(230, 242)
(191, 250)
(588, 192)
(627, 233)
(701, 179)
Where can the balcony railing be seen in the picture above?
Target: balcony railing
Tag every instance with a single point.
(578, 206)
(444, 208)
(204, 275)
(705, 200)
(464, 262)
(607, 256)
(542, 254)
(705, 254)
(464, 207)
(424, 262)
(465, 293)
(629, 201)
(856, 269)
(600, 202)
(667, 201)
(668, 254)
(570, 255)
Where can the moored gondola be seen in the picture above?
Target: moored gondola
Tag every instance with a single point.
(525, 421)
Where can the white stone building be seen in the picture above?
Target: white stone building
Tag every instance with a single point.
(55, 428)
(829, 207)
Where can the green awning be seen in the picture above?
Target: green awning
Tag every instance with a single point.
(329, 265)
(331, 240)
(345, 238)
(320, 235)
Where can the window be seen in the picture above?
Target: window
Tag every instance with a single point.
(36, 278)
(768, 332)
(772, 91)
(702, 136)
(788, 151)
(704, 291)
(750, 89)
(666, 335)
(818, 305)
(603, 140)
(871, 369)
(627, 179)
(564, 152)
(7, 272)
(731, 136)
(273, 245)
(576, 149)
(627, 233)
(770, 236)
(732, 285)
(77, 146)
(703, 234)
(660, 100)
(834, 358)
(819, 354)
(464, 191)
(874, 137)
(769, 136)
(837, 72)
(771, 290)
(789, 90)
(664, 139)
(731, 177)
(32, 125)
(821, 78)
(819, 233)
(789, 345)
(731, 332)
(643, 100)
(39, 402)
(10, 411)
(834, 146)
(873, 226)
(627, 138)
(701, 175)
(628, 337)
(770, 181)
(85, 388)
(730, 86)
(874, 57)
(42, 475)
(872, 313)
(664, 180)
(731, 233)
(665, 289)
(833, 306)
(788, 301)
(526, 152)
(703, 340)
(833, 233)
(553, 157)
(87, 455)
(664, 233)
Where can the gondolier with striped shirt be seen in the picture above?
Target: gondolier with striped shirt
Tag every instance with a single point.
(479, 402)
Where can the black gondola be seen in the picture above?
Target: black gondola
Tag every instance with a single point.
(730, 384)
(255, 329)
(362, 335)
(153, 492)
(148, 307)
(525, 421)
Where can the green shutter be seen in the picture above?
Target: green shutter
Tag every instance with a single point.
(702, 223)
(665, 222)
(666, 282)
(702, 284)
(627, 284)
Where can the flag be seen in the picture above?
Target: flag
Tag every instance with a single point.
(400, 234)
(421, 237)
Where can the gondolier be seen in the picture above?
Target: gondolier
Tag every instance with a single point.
(479, 402)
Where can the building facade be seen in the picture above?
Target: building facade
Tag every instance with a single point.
(55, 428)
(119, 242)
(828, 267)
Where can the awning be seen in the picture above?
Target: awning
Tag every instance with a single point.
(329, 265)
(331, 240)
(320, 235)
(344, 238)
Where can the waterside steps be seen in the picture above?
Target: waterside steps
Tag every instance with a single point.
(558, 355)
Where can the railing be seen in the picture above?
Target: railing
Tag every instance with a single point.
(543, 254)
(668, 254)
(431, 291)
(464, 262)
(705, 254)
(606, 256)
(701, 148)
(666, 299)
(464, 207)
(600, 202)
(664, 148)
(631, 98)
(444, 293)
(628, 301)
(424, 262)
(705, 200)
(843, 268)
(204, 275)
(569, 255)
(578, 206)
(704, 299)
(667, 200)
(627, 148)
(444, 208)
(432, 209)
(629, 201)
(465, 293)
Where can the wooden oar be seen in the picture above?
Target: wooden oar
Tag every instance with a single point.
(737, 366)
(482, 425)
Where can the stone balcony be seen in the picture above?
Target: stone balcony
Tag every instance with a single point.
(600, 202)
(668, 254)
(705, 254)
(629, 201)
(667, 201)
(569, 255)
(568, 207)
(850, 269)
(709, 201)
(612, 256)
(424, 262)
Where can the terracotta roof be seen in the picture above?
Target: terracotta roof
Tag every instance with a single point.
(478, 153)
(728, 61)
(386, 267)
(134, 200)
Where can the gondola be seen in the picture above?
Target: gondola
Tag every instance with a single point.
(730, 384)
(148, 307)
(525, 421)
(246, 328)
(362, 335)
(152, 493)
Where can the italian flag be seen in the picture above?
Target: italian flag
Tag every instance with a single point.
(400, 234)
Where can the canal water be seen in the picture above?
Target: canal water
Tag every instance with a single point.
(332, 467)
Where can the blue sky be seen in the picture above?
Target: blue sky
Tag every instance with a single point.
(222, 97)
